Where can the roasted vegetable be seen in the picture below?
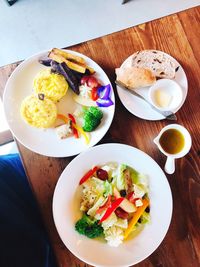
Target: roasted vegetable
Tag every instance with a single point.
(79, 75)
(68, 56)
(72, 65)
(92, 118)
(63, 69)
(88, 227)
(45, 61)
(90, 70)
(72, 61)
(71, 78)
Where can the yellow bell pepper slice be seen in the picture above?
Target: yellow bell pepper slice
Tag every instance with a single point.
(79, 129)
(136, 217)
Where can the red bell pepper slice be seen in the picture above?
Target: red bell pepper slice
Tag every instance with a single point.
(111, 208)
(75, 132)
(105, 206)
(94, 93)
(88, 175)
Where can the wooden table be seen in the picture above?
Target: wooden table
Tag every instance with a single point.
(177, 35)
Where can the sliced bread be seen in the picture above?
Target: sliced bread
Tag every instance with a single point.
(134, 77)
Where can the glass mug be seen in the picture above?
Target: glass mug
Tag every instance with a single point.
(174, 141)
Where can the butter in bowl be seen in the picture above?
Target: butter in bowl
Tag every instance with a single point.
(165, 94)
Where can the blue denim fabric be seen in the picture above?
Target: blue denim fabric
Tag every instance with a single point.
(23, 240)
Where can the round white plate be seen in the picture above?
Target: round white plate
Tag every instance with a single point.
(66, 204)
(46, 142)
(138, 107)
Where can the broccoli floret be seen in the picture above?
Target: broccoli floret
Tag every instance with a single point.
(92, 118)
(88, 227)
(90, 122)
(96, 112)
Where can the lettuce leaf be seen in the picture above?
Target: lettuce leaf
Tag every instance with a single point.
(98, 203)
(96, 185)
(145, 218)
(110, 221)
(123, 223)
(108, 189)
(119, 182)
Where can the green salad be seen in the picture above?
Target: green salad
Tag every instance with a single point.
(114, 202)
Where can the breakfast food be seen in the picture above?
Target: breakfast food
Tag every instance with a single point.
(38, 112)
(158, 62)
(52, 85)
(134, 77)
(114, 203)
(63, 70)
(72, 67)
(88, 90)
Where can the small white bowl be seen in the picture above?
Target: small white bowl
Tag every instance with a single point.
(165, 94)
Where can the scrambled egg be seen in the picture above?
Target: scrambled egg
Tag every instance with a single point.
(38, 113)
(52, 85)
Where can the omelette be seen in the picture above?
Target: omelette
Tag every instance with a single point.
(52, 85)
(39, 112)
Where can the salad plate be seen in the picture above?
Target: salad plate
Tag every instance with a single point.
(45, 141)
(66, 207)
(137, 106)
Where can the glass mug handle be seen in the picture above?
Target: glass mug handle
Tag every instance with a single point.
(170, 165)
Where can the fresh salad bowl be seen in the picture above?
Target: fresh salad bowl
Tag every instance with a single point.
(68, 210)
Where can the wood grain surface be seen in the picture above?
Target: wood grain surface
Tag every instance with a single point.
(178, 35)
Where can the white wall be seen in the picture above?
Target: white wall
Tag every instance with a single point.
(30, 26)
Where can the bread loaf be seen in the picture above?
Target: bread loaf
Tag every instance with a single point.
(158, 62)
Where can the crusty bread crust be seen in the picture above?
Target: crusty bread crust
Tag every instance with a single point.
(134, 77)
(158, 62)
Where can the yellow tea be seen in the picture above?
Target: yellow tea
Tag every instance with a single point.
(172, 141)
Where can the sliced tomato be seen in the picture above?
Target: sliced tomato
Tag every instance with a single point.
(84, 79)
(92, 82)
(94, 94)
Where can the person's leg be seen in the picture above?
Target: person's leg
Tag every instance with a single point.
(23, 241)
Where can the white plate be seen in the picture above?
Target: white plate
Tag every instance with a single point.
(46, 142)
(66, 204)
(138, 107)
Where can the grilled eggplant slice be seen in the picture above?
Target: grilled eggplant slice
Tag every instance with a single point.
(64, 70)
(45, 61)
